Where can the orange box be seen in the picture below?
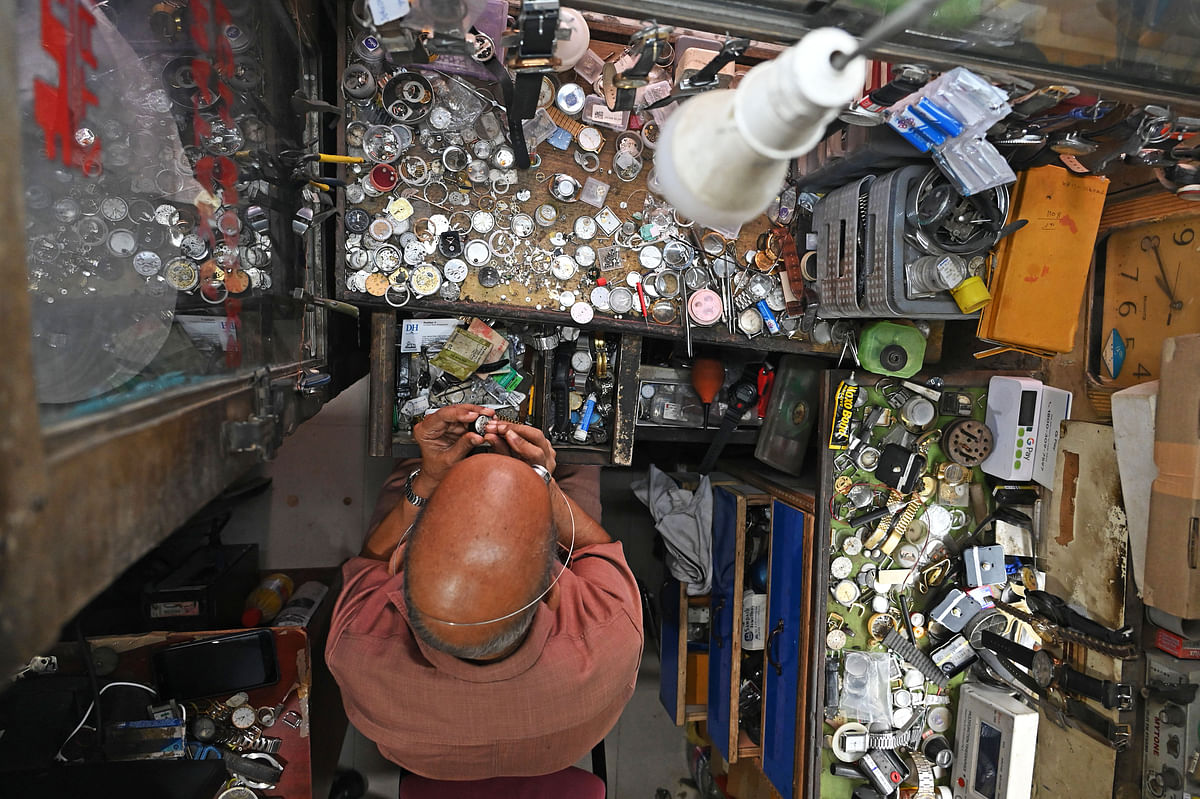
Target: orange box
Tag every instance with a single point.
(1040, 272)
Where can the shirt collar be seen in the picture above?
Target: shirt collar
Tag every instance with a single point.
(517, 663)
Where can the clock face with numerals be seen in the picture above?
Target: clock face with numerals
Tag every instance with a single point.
(1151, 292)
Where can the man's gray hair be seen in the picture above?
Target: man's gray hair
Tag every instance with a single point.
(506, 632)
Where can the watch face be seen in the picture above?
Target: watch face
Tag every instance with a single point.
(522, 225)
(477, 253)
(1150, 292)
(581, 361)
(585, 256)
(650, 257)
(243, 717)
(585, 228)
(599, 297)
(1042, 669)
(114, 209)
(590, 140)
(482, 221)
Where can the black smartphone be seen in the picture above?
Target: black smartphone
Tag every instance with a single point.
(217, 666)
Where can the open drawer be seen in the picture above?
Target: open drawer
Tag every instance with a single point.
(557, 370)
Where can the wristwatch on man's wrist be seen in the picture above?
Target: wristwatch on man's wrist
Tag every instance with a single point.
(409, 494)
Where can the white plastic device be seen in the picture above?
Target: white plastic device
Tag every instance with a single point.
(1013, 405)
(995, 745)
(723, 154)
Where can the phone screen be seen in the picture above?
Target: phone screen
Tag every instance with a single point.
(217, 666)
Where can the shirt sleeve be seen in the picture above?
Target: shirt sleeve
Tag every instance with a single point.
(392, 492)
(603, 586)
(361, 600)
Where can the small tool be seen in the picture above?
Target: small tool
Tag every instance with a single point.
(708, 375)
(333, 305)
(706, 77)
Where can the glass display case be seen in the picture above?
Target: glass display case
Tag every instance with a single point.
(164, 250)
(1142, 50)
(158, 231)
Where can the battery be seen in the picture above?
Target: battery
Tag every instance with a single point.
(954, 655)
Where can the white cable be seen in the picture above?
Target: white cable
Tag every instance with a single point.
(59, 755)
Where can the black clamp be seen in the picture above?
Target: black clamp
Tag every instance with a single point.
(620, 90)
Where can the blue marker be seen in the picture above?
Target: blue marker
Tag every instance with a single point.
(585, 421)
(768, 317)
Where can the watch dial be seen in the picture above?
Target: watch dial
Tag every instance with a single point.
(1042, 668)
(522, 225)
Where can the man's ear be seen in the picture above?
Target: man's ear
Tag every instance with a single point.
(552, 597)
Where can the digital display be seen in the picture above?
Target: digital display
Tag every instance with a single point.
(1028, 408)
(987, 762)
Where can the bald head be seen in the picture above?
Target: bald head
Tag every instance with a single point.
(482, 548)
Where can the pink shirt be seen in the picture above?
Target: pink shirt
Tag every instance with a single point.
(536, 711)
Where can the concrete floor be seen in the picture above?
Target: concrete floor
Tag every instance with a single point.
(315, 513)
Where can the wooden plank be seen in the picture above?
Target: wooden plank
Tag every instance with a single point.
(23, 477)
(382, 398)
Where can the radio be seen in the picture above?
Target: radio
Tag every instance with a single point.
(994, 745)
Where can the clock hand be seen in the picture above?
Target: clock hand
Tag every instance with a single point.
(1151, 243)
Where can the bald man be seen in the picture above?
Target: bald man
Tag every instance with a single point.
(490, 627)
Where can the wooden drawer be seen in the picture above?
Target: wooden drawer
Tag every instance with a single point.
(733, 507)
(683, 682)
(624, 355)
(787, 546)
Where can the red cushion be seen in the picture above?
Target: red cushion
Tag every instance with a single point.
(570, 783)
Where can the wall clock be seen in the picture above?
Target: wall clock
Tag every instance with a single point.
(1147, 289)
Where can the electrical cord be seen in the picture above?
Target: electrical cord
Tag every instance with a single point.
(85, 651)
(87, 713)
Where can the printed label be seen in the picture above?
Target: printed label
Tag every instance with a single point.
(843, 412)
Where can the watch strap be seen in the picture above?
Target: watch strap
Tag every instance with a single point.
(409, 494)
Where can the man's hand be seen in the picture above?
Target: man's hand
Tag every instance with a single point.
(521, 441)
(445, 437)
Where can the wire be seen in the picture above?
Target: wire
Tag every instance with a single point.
(538, 598)
(59, 755)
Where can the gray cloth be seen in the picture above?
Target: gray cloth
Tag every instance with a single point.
(684, 520)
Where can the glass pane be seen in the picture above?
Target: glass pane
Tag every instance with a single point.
(1149, 45)
(159, 240)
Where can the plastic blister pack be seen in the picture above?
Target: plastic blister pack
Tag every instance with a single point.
(949, 117)
(865, 681)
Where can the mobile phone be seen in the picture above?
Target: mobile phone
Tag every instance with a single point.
(217, 666)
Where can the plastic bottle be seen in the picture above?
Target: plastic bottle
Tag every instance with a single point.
(304, 603)
(265, 601)
(889, 348)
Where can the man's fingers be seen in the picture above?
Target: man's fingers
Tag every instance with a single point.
(524, 448)
(465, 444)
(463, 413)
(499, 445)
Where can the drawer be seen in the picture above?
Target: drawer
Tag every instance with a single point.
(741, 515)
(683, 681)
(550, 378)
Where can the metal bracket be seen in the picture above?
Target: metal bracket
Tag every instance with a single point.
(260, 432)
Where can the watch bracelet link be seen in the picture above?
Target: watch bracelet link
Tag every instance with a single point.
(411, 495)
